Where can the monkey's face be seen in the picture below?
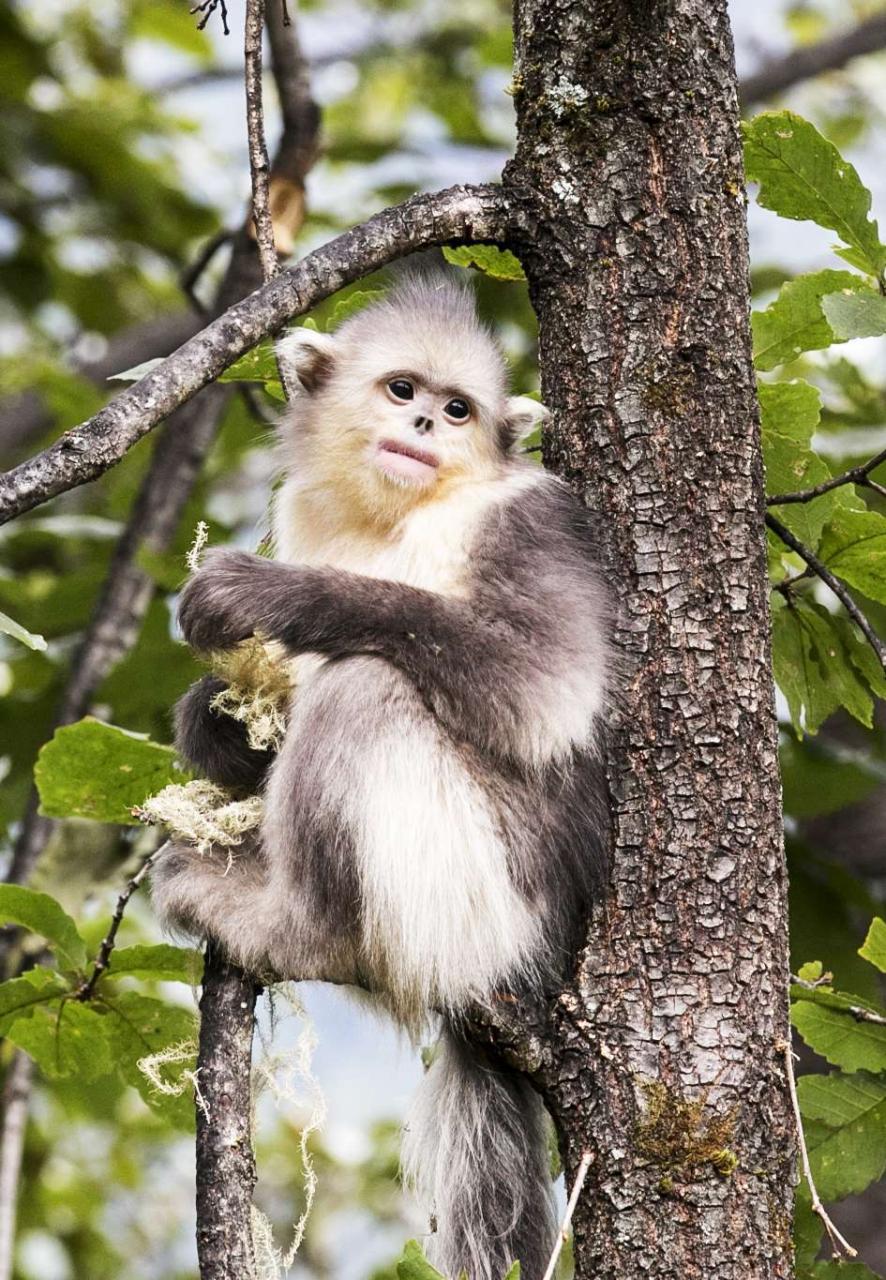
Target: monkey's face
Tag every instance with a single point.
(400, 404)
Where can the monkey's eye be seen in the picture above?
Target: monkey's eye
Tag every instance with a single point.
(457, 410)
(401, 389)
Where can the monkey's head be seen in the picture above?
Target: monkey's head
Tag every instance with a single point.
(406, 399)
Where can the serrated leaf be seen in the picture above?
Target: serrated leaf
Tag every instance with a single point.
(9, 627)
(803, 176)
(874, 946)
(813, 668)
(808, 1229)
(161, 962)
(855, 314)
(500, 264)
(353, 303)
(853, 546)
(95, 770)
(795, 322)
(137, 371)
(19, 996)
(852, 1154)
(64, 1039)
(414, 1265)
(791, 467)
(839, 1038)
(43, 915)
(811, 971)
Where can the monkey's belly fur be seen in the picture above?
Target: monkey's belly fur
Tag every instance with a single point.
(385, 856)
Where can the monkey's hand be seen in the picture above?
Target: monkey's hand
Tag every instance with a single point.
(222, 603)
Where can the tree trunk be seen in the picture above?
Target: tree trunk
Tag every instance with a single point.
(666, 1047)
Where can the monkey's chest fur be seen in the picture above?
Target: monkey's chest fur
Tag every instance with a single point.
(398, 834)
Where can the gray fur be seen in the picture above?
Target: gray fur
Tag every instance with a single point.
(435, 822)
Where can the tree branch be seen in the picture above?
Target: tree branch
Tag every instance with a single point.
(259, 164)
(87, 451)
(839, 589)
(225, 1159)
(855, 475)
(16, 1096)
(802, 64)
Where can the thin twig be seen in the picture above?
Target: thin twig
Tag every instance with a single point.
(16, 1096)
(857, 1011)
(563, 1234)
(837, 1240)
(855, 475)
(189, 277)
(802, 64)
(102, 960)
(208, 8)
(838, 588)
(259, 164)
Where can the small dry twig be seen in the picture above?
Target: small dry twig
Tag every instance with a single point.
(838, 1242)
(563, 1233)
(208, 8)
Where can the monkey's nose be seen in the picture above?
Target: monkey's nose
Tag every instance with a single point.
(423, 425)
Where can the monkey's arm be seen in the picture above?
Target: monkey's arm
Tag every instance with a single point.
(495, 669)
(214, 743)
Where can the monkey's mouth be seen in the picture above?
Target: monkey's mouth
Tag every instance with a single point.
(404, 462)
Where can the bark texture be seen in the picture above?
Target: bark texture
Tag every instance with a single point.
(663, 1056)
(225, 1160)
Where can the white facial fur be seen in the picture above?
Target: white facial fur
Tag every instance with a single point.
(381, 449)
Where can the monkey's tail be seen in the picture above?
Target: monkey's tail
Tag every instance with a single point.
(476, 1148)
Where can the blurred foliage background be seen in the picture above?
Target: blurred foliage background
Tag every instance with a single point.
(122, 154)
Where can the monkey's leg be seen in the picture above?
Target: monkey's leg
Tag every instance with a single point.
(226, 894)
(216, 744)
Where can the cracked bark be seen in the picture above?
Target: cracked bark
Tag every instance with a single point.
(629, 168)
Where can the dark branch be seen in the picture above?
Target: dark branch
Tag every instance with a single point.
(87, 451)
(259, 164)
(102, 960)
(839, 589)
(225, 1159)
(803, 64)
(855, 475)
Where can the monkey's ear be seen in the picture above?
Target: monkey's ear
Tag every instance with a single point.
(306, 356)
(522, 413)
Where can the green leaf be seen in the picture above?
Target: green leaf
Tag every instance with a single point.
(838, 1037)
(791, 409)
(137, 371)
(790, 467)
(513, 1272)
(350, 305)
(811, 971)
(160, 961)
(65, 1039)
(852, 1153)
(139, 1026)
(257, 365)
(839, 1270)
(804, 177)
(853, 546)
(500, 264)
(19, 996)
(813, 668)
(414, 1265)
(9, 627)
(795, 322)
(43, 915)
(855, 314)
(874, 946)
(96, 770)
(808, 1228)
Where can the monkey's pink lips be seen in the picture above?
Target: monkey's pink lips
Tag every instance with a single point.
(405, 462)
